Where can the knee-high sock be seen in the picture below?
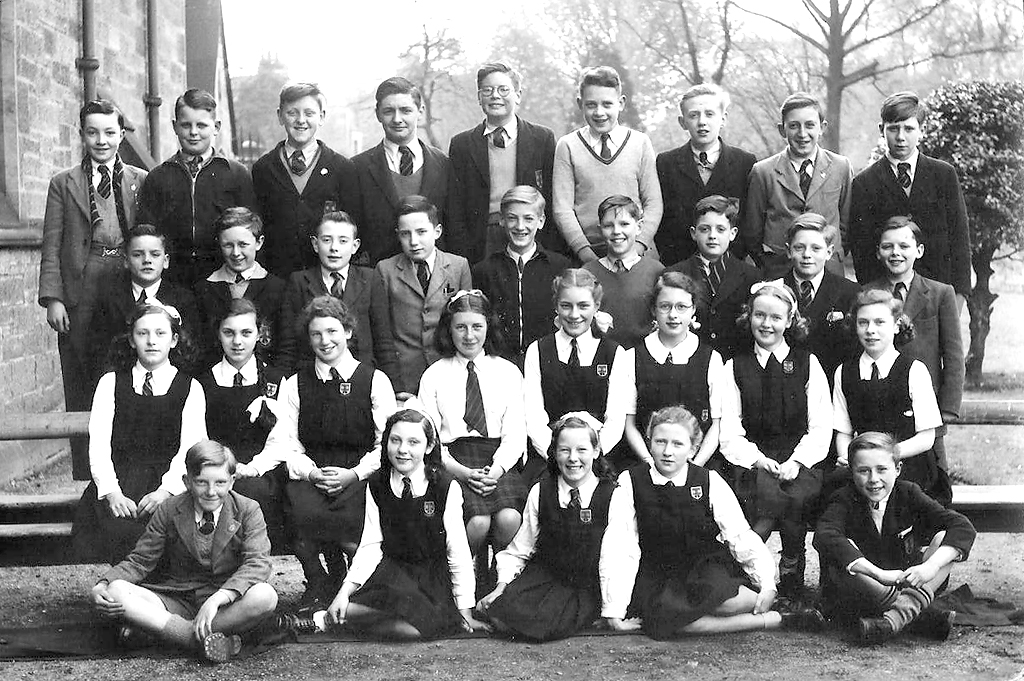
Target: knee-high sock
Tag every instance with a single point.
(909, 603)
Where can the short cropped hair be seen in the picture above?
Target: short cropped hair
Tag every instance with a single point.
(601, 76)
(337, 216)
(873, 440)
(524, 194)
(801, 100)
(702, 89)
(100, 106)
(902, 105)
(499, 67)
(414, 203)
(813, 222)
(293, 92)
(677, 415)
(326, 306)
(208, 453)
(398, 86)
(239, 216)
(194, 98)
(904, 332)
(716, 203)
(899, 222)
(145, 229)
(619, 202)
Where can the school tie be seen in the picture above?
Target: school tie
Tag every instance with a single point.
(406, 488)
(297, 163)
(206, 526)
(875, 377)
(670, 484)
(606, 152)
(104, 188)
(423, 274)
(702, 159)
(899, 292)
(903, 175)
(498, 137)
(668, 358)
(239, 278)
(714, 277)
(405, 162)
(474, 418)
(574, 500)
(147, 385)
(335, 376)
(806, 294)
(805, 176)
(574, 355)
(237, 383)
(194, 164)
(142, 297)
(338, 287)
(619, 266)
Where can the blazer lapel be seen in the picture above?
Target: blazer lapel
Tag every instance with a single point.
(320, 174)
(478, 153)
(407, 274)
(381, 174)
(888, 181)
(721, 170)
(185, 522)
(821, 170)
(785, 175)
(730, 281)
(79, 190)
(355, 286)
(916, 297)
(227, 526)
(439, 277)
(130, 186)
(313, 284)
(431, 170)
(688, 166)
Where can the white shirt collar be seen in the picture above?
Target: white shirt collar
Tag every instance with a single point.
(532, 251)
(679, 479)
(511, 130)
(884, 362)
(586, 489)
(781, 353)
(815, 281)
(713, 152)
(308, 150)
(151, 290)
(222, 273)
(632, 259)
(564, 340)
(797, 162)
(325, 276)
(893, 163)
(224, 372)
(414, 146)
(163, 374)
(616, 136)
(417, 480)
(681, 353)
(431, 259)
(216, 515)
(346, 367)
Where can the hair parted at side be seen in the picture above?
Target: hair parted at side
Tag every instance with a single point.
(293, 92)
(414, 203)
(601, 76)
(195, 98)
(325, 306)
(873, 441)
(208, 453)
(701, 89)
(801, 100)
(716, 203)
(678, 415)
(684, 282)
(100, 106)
(876, 296)
(813, 222)
(526, 195)
(144, 229)
(898, 222)
(468, 301)
(431, 458)
(336, 216)
(397, 85)
(239, 216)
(617, 202)
(900, 106)
(499, 67)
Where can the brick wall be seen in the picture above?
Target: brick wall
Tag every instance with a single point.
(42, 92)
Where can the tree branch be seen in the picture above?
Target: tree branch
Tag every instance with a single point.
(795, 31)
(917, 17)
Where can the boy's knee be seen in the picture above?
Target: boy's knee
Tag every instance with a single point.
(262, 597)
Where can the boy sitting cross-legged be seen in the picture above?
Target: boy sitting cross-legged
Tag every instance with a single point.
(208, 554)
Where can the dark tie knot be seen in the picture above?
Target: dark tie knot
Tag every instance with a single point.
(670, 484)
(238, 379)
(206, 525)
(668, 358)
(406, 487)
(297, 163)
(335, 375)
(498, 136)
(193, 165)
(405, 161)
(147, 385)
(606, 152)
(574, 499)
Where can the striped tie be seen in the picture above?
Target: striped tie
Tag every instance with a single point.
(474, 418)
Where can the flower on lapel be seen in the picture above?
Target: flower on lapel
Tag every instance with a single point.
(323, 171)
(834, 316)
(133, 187)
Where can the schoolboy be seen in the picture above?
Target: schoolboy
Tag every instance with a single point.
(932, 307)
(704, 166)
(335, 241)
(208, 554)
(727, 280)
(146, 259)
(185, 194)
(823, 298)
(89, 210)
(906, 182)
(408, 293)
(502, 152)
(626, 276)
(518, 280)
(401, 165)
(802, 178)
(331, 414)
(240, 237)
(888, 547)
(601, 159)
(295, 180)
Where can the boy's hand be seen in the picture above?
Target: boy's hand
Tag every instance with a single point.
(888, 577)
(788, 471)
(202, 625)
(121, 506)
(57, 316)
(765, 599)
(919, 575)
(149, 503)
(104, 604)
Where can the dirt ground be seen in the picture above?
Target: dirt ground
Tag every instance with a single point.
(32, 596)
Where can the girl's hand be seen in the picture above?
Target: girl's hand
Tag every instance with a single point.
(789, 471)
(767, 465)
(336, 479)
(494, 473)
(479, 482)
(121, 506)
(765, 599)
(149, 503)
(337, 609)
(485, 603)
(616, 624)
(471, 624)
(603, 321)
(244, 470)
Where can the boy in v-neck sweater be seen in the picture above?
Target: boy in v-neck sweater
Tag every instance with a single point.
(601, 159)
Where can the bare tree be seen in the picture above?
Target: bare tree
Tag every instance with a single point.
(430, 63)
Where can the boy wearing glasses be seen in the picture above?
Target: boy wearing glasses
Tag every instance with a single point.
(500, 153)
(408, 293)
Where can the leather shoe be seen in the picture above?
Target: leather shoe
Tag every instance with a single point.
(875, 630)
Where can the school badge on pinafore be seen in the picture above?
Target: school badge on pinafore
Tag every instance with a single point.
(602, 370)
(270, 390)
(787, 366)
(344, 388)
(586, 516)
(705, 415)
(429, 509)
(697, 493)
